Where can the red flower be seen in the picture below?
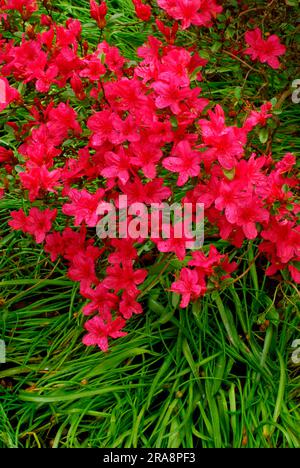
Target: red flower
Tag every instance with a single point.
(104, 127)
(83, 206)
(295, 273)
(37, 223)
(98, 12)
(39, 180)
(99, 331)
(93, 69)
(198, 12)
(124, 277)
(212, 264)
(62, 119)
(18, 221)
(54, 245)
(8, 94)
(151, 192)
(259, 118)
(117, 165)
(230, 195)
(142, 11)
(129, 306)
(24, 7)
(124, 254)
(83, 269)
(286, 237)
(40, 222)
(146, 157)
(6, 156)
(188, 286)
(185, 161)
(169, 94)
(226, 144)
(176, 243)
(102, 301)
(266, 51)
(169, 33)
(46, 79)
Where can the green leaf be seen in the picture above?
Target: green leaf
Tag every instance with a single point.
(216, 46)
(229, 174)
(263, 135)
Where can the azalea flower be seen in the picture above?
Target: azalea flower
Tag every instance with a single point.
(226, 144)
(103, 126)
(82, 269)
(99, 331)
(8, 94)
(38, 223)
(266, 51)
(169, 94)
(124, 278)
(185, 161)
(24, 7)
(38, 181)
(286, 238)
(188, 286)
(142, 11)
(98, 12)
(83, 206)
(197, 12)
(102, 301)
(117, 165)
(146, 157)
(174, 240)
(129, 306)
(54, 245)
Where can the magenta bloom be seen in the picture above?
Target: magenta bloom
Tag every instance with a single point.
(188, 286)
(99, 331)
(197, 12)
(8, 94)
(83, 206)
(185, 161)
(37, 223)
(266, 51)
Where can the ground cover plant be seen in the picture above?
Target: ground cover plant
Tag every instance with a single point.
(139, 341)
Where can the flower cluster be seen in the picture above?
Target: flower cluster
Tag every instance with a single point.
(191, 12)
(99, 127)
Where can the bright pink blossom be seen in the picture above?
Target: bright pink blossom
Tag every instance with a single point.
(8, 94)
(124, 278)
(82, 269)
(188, 286)
(99, 331)
(185, 161)
(38, 181)
(266, 51)
(197, 12)
(83, 206)
(38, 223)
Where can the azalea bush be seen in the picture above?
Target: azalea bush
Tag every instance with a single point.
(96, 125)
